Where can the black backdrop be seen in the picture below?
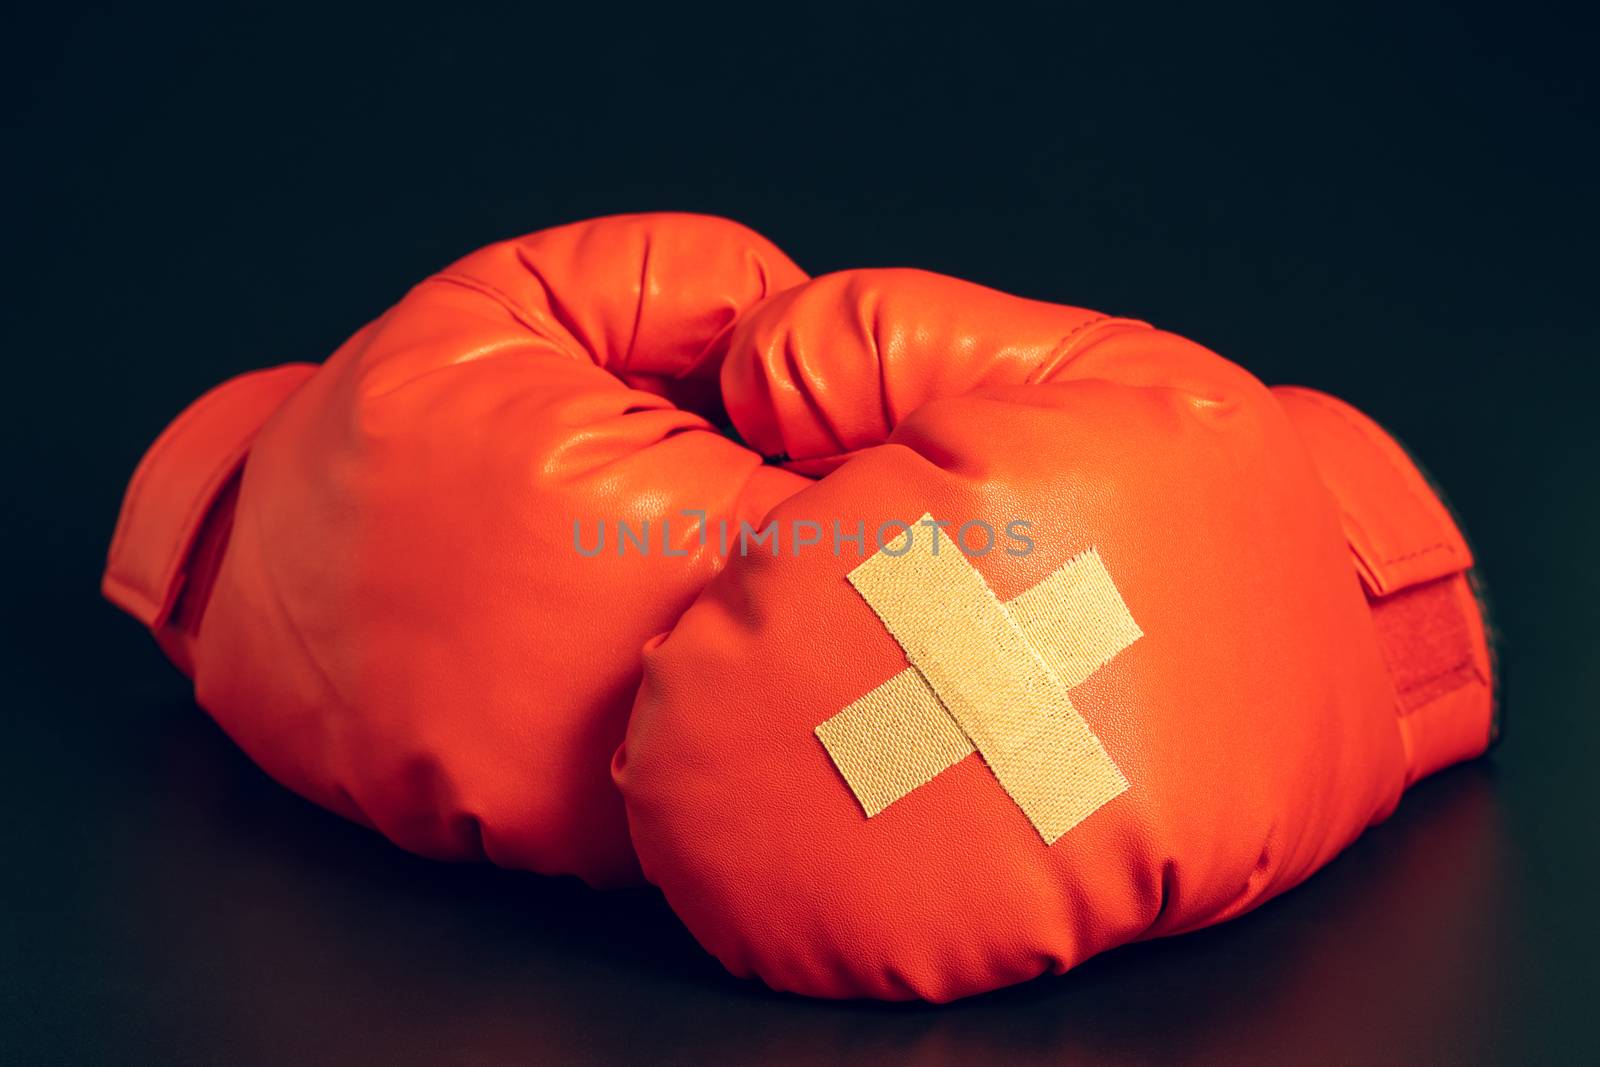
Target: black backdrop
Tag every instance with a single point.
(1395, 205)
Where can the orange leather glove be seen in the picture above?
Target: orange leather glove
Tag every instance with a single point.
(383, 605)
(1244, 627)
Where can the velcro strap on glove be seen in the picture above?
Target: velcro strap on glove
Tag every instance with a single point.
(1413, 561)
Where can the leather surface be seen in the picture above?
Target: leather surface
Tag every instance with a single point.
(1256, 719)
(400, 629)
(376, 572)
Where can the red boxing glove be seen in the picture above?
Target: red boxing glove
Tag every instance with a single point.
(1141, 690)
(368, 567)
(1202, 634)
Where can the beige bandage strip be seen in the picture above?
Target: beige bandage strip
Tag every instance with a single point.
(892, 740)
(987, 676)
(1075, 618)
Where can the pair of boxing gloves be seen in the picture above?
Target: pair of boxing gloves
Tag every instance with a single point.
(992, 634)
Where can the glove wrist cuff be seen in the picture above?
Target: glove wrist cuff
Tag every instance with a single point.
(178, 510)
(1417, 572)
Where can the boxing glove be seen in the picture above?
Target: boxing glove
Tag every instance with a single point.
(369, 566)
(1103, 640)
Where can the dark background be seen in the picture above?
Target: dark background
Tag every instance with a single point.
(1397, 205)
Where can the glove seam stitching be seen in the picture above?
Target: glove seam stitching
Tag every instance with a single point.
(528, 319)
(1074, 342)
